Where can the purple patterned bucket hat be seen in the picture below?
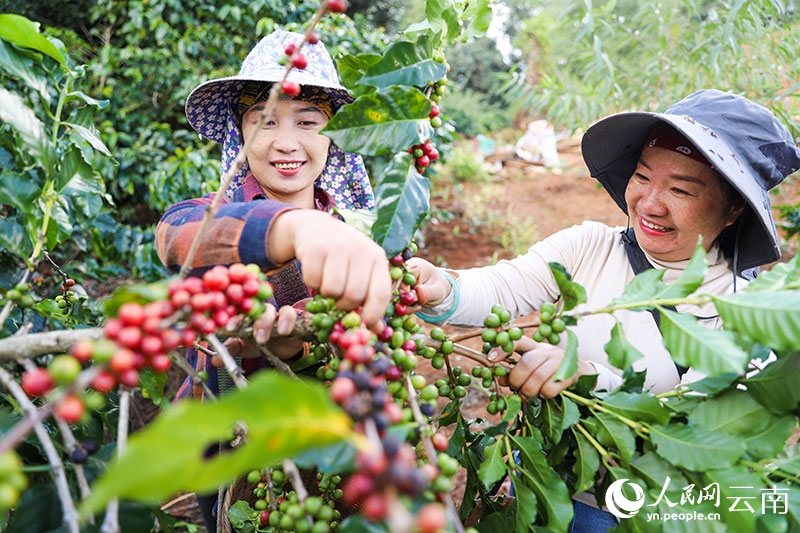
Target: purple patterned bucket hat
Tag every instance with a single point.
(211, 110)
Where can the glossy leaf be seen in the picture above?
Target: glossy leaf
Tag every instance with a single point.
(384, 122)
(14, 238)
(771, 439)
(712, 352)
(479, 13)
(441, 15)
(19, 192)
(401, 199)
(239, 515)
(359, 524)
(781, 276)
(23, 32)
(738, 476)
(283, 417)
(30, 129)
(587, 462)
(60, 227)
(361, 219)
(612, 432)
(403, 63)
(775, 387)
(86, 99)
(639, 407)
(735, 412)
(695, 448)
(19, 66)
(621, 353)
(526, 501)
(90, 135)
(713, 385)
(653, 469)
(773, 319)
(140, 293)
(553, 501)
(493, 467)
(572, 293)
(569, 364)
(351, 68)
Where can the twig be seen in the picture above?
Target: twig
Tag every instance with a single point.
(70, 519)
(80, 475)
(57, 268)
(230, 364)
(477, 332)
(430, 450)
(21, 429)
(111, 521)
(469, 353)
(276, 361)
(186, 367)
(35, 344)
(266, 112)
(297, 482)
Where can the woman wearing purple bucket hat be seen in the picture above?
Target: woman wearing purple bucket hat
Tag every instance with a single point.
(702, 168)
(277, 212)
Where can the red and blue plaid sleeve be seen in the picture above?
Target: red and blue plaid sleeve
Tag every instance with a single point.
(237, 233)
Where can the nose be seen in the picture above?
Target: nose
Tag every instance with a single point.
(286, 137)
(651, 201)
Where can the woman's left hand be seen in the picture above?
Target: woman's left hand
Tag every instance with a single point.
(533, 374)
(283, 347)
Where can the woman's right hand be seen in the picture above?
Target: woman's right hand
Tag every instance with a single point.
(432, 287)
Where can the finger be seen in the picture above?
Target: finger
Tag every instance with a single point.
(355, 288)
(526, 366)
(537, 380)
(287, 316)
(312, 260)
(334, 275)
(235, 346)
(551, 388)
(525, 344)
(262, 327)
(379, 293)
(234, 323)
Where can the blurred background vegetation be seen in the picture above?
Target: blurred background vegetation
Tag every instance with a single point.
(570, 63)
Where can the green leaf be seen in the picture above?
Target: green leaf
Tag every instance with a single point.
(551, 418)
(283, 416)
(621, 353)
(152, 384)
(569, 364)
(403, 63)
(402, 198)
(141, 293)
(19, 191)
(86, 99)
(16, 64)
(338, 457)
(737, 476)
(90, 135)
(780, 277)
(513, 407)
(239, 515)
(23, 32)
(735, 412)
(553, 502)
(479, 13)
(572, 293)
(695, 448)
(361, 219)
(14, 238)
(773, 319)
(384, 122)
(655, 470)
(587, 462)
(642, 288)
(493, 467)
(713, 385)
(770, 440)
(775, 387)
(640, 407)
(789, 460)
(690, 279)
(359, 524)
(351, 68)
(712, 352)
(612, 432)
(30, 129)
(60, 227)
(526, 501)
(76, 176)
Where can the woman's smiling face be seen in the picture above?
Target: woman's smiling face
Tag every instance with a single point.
(672, 199)
(288, 153)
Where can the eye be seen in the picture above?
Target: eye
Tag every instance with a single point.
(309, 123)
(642, 178)
(681, 192)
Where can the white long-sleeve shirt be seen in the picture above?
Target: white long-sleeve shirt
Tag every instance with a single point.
(595, 257)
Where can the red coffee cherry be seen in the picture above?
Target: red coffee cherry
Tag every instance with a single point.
(131, 313)
(70, 282)
(37, 382)
(238, 273)
(193, 285)
(356, 488)
(160, 362)
(432, 518)
(129, 378)
(151, 344)
(216, 279)
(313, 37)
(342, 389)
(299, 61)
(337, 6)
(104, 381)
(440, 442)
(170, 339)
(375, 507)
(122, 360)
(289, 50)
(290, 88)
(112, 327)
(82, 351)
(434, 111)
(69, 409)
(130, 337)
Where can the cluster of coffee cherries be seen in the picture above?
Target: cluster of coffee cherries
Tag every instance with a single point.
(68, 297)
(19, 294)
(499, 331)
(551, 327)
(142, 335)
(425, 153)
(12, 481)
(317, 514)
(437, 91)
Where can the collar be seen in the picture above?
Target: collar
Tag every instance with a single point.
(251, 190)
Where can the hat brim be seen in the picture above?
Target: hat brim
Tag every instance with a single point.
(611, 150)
(208, 105)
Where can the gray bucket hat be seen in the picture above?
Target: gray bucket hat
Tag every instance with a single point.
(744, 142)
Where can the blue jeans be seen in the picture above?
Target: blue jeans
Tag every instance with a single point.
(589, 519)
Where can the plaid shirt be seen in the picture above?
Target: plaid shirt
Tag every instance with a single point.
(237, 233)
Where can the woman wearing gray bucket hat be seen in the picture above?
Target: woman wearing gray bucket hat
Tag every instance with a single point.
(702, 168)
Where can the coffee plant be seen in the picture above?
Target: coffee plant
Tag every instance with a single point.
(361, 443)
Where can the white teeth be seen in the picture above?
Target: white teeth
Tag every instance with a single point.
(288, 166)
(653, 226)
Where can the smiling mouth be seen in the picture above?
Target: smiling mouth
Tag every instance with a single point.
(288, 166)
(656, 227)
